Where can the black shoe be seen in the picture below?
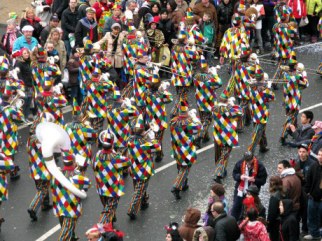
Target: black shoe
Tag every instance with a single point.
(46, 207)
(14, 174)
(176, 193)
(282, 141)
(218, 179)
(158, 158)
(206, 139)
(275, 87)
(132, 216)
(240, 130)
(1, 221)
(264, 149)
(197, 143)
(32, 215)
(144, 205)
(114, 219)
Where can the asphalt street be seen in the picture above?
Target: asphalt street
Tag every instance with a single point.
(150, 223)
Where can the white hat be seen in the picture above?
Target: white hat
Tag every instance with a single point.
(27, 28)
(116, 25)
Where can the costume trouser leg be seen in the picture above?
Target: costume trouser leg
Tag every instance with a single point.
(205, 118)
(42, 196)
(237, 206)
(258, 137)
(139, 196)
(159, 138)
(291, 119)
(182, 93)
(241, 121)
(67, 232)
(14, 173)
(181, 179)
(222, 161)
(97, 124)
(109, 209)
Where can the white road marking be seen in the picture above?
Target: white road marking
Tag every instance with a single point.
(49, 233)
(311, 107)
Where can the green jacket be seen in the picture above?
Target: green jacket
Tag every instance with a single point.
(313, 7)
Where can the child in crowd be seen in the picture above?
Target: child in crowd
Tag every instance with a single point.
(207, 27)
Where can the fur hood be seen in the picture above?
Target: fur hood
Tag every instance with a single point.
(207, 233)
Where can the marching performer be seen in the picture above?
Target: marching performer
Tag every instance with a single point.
(81, 135)
(42, 68)
(296, 81)
(67, 206)
(230, 47)
(225, 114)
(98, 89)
(10, 114)
(108, 162)
(183, 129)
(260, 96)
(284, 33)
(140, 150)
(182, 56)
(6, 167)
(118, 120)
(206, 82)
(156, 98)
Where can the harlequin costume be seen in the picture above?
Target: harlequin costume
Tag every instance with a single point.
(296, 81)
(9, 117)
(183, 129)
(206, 82)
(6, 167)
(260, 96)
(98, 90)
(118, 119)
(67, 206)
(140, 150)
(129, 48)
(81, 135)
(233, 38)
(182, 57)
(109, 163)
(225, 116)
(42, 70)
(156, 98)
(85, 64)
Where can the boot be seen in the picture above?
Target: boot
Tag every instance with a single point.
(1, 221)
(132, 216)
(282, 141)
(206, 138)
(14, 174)
(176, 193)
(158, 157)
(218, 179)
(264, 149)
(185, 186)
(46, 207)
(197, 142)
(32, 215)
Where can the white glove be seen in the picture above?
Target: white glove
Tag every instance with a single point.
(253, 16)
(156, 69)
(231, 100)
(96, 46)
(19, 103)
(149, 64)
(151, 135)
(269, 84)
(56, 59)
(212, 70)
(51, 60)
(21, 93)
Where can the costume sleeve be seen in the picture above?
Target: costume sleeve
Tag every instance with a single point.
(151, 147)
(269, 95)
(6, 165)
(121, 162)
(89, 133)
(166, 97)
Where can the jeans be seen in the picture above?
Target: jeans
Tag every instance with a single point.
(75, 92)
(237, 206)
(267, 30)
(314, 214)
(68, 48)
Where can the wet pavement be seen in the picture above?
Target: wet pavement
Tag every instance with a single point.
(150, 223)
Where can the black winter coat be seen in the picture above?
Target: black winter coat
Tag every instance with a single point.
(224, 13)
(226, 228)
(260, 179)
(302, 135)
(82, 30)
(25, 73)
(289, 223)
(313, 178)
(35, 24)
(59, 6)
(167, 28)
(68, 22)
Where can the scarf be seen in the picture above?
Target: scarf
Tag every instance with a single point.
(9, 38)
(243, 168)
(314, 138)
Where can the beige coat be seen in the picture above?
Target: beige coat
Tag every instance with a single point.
(117, 58)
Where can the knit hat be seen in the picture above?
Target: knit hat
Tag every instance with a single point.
(155, 19)
(116, 93)
(13, 15)
(117, 6)
(218, 189)
(106, 138)
(41, 54)
(292, 60)
(4, 63)
(173, 230)
(203, 62)
(241, 6)
(76, 107)
(189, 13)
(224, 95)
(259, 73)
(184, 106)
(68, 158)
